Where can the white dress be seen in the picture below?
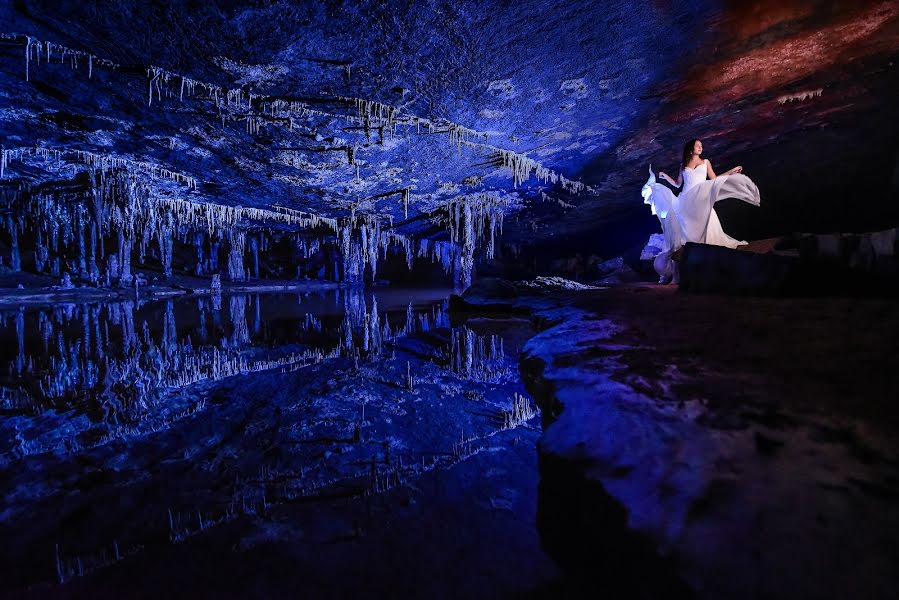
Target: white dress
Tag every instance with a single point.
(690, 216)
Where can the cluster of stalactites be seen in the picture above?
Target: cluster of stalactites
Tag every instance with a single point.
(459, 134)
(103, 163)
(522, 166)
(125, 203)
(36, 49)
(376, 114)
(474, 221)
(215, 217)
(236, 101)
(122, 205)
(160, 85)
(438, 251)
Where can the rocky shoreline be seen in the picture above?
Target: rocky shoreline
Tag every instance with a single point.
(712, 446)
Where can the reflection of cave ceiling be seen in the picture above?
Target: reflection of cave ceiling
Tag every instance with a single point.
(590, 92)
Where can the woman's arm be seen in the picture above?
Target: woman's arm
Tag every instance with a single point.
(712, 174)
(678, 183)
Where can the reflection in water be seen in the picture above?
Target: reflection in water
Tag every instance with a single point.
(120, 401)
(90, 359)
(478, 357)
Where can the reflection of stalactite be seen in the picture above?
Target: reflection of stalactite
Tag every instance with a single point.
(257, 320)
(169, 330)
(20, 339)
(521, 412)
(240, 335)
(92, 359)
(129, 335)
(480, 358)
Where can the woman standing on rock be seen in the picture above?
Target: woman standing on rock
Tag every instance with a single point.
(690, 216)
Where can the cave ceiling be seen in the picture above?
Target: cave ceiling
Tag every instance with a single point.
(553, 109)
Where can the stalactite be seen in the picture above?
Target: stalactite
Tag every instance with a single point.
(125, 253)
(458, 135)
(372, 112)
(213, 257)
(82, 258)
(93, 270)
(237, 241)
(165, 237)
(198, 244)
(15, 259)
(124, 204)
(254, 252)
(479, 358)
(41, 254)
(112, 266)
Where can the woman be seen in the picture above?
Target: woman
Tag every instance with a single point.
(690, 216)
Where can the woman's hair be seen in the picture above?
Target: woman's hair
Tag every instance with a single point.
(687, 154)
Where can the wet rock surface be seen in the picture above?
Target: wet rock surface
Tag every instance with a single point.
(740, 447)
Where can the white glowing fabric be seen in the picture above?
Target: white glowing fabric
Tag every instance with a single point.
(690, 216)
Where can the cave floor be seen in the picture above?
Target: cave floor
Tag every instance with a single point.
(752, 442)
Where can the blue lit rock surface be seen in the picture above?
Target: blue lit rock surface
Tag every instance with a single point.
(733, 447)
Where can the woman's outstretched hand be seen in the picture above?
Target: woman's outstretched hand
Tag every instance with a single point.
(737, 169)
